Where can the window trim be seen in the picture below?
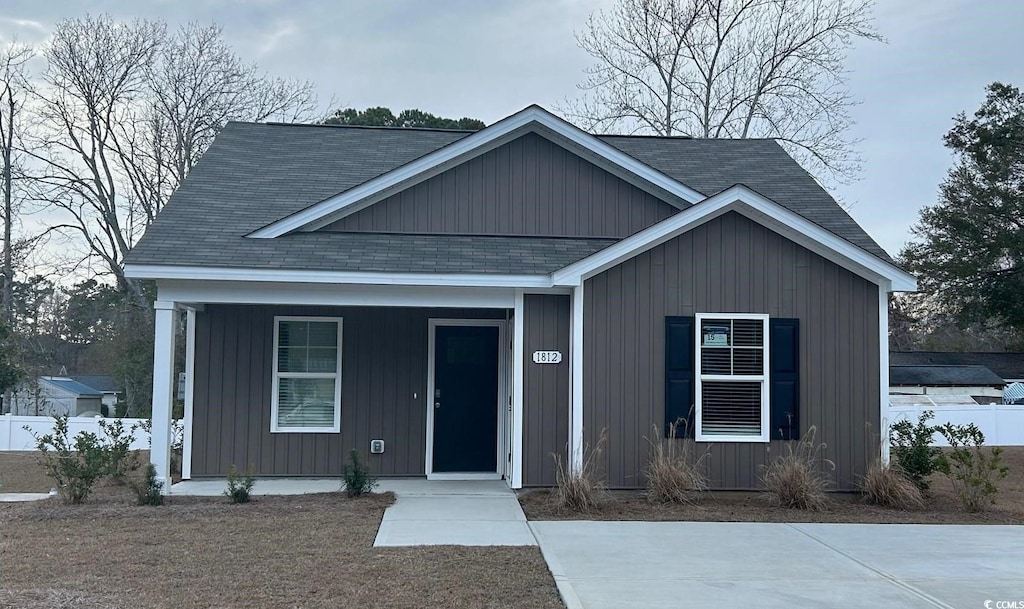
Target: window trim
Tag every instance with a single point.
(277, 376)
(699, 378)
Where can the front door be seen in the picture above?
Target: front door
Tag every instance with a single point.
(465, 399)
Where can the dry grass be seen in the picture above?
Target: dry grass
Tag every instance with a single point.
(580, 491)
(675, 474)
(797, 479)
(887, 486)
(312, 551)
(942, 507)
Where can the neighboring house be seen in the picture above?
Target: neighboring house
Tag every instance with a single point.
(479, 301)
(977, 382)
(55, 396)
(1007, 365)
(105, 384)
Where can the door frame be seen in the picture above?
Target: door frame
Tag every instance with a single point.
(503, 404)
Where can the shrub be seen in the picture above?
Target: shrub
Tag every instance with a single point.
(177, 441)
(121, 459)
(580, 490)
(74, 465)
(887, 486)
(911, 448)
(796, 479)
(358, 478)
(972, 470)
(239, 486)
(150, 491)
(675, 474)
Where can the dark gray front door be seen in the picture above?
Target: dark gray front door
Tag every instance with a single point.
(465, 398)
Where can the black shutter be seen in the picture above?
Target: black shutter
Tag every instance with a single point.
(784, 378)
(679, 375)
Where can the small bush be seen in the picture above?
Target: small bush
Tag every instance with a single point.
(912, 450)
(121, 459)
(580, 490)
(239, 486)
(796, 480)
(177, 441)
(358, 478)
(74, 465)
(971, 469)
(887, 486)
(150, 491)
(675, 474)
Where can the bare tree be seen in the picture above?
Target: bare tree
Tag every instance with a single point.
(128, 110)
(728, 69)
(13, 91)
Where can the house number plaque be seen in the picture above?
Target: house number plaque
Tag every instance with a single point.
(547, 357)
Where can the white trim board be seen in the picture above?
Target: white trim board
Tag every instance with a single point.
(531, 119)
(212, 273)
(760, 209)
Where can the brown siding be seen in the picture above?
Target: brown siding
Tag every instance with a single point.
(529, 186)
(729, 265)
(384, 362)
(545, 387)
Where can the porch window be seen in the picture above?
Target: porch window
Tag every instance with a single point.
(307, 375)
(732, 373)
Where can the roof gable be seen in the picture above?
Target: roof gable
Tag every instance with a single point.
(533, 119)
(529, 186)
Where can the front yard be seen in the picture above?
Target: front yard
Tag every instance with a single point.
(277, 552)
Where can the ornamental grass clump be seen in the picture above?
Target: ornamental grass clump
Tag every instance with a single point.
(797, 479)
(888, 486)
(675, 473)
(582, 489)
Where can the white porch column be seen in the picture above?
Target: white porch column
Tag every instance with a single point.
(163, 391)
(576, 443)
(518, 342)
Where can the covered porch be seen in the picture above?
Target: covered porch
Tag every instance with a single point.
(424, 381)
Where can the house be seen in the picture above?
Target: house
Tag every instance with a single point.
(105, 384)
(463, 305)
(978, 383)
(1007, 365)
(55, 396)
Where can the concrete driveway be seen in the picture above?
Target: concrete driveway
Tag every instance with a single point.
(601, 565)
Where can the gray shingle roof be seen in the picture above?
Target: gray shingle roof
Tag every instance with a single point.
(255, 174)
(1009, 365)
(375, 252)
(937, 376)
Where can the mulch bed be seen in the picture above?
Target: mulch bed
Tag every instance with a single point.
(275, 552)
(720, 506)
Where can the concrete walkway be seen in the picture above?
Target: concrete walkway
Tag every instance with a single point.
(22, 497)
(430, 513)
(600, 565)
(214, 487)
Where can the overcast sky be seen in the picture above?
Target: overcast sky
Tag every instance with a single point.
(489, 58)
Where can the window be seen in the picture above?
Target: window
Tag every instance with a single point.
(307, 375)
(732, 373)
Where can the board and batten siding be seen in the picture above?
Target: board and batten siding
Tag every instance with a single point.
(529, 186)
(731, 265)
(384, 364)
(545, 387)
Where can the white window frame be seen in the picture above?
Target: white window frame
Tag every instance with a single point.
(699, 378)
(336, 428)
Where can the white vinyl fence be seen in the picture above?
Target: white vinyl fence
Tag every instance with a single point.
(14, 436)
(1003, 425)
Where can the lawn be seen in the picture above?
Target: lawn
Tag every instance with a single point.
(287, 552)
(942, 507)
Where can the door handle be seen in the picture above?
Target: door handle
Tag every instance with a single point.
(437, 404)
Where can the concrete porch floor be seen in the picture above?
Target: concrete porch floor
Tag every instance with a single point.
(426, 512)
